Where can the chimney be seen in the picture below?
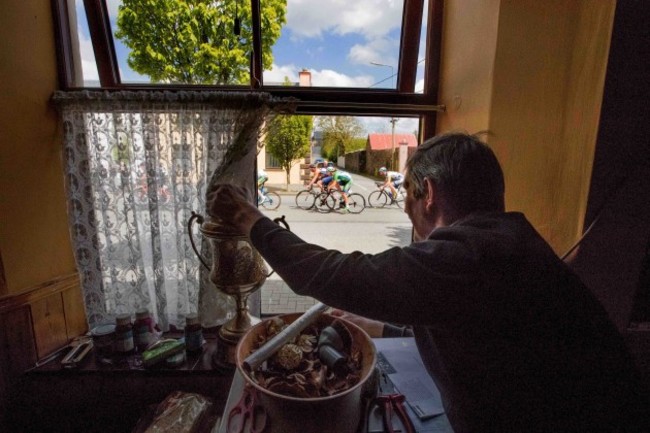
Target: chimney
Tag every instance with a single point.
(304, 78)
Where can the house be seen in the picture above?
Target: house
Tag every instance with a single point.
(566, 113)
(300, 170)
(388, 150)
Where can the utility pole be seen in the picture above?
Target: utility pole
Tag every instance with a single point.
(393, 121)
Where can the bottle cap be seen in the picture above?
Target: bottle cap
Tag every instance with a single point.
(123, 319)
(142, 313)
(192, 319)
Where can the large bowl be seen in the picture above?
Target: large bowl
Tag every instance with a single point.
(339, 413)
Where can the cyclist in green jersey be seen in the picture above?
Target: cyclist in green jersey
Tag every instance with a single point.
(342, 181)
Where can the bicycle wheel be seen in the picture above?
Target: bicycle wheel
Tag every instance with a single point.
(356, 203)
(271, 200)
(334, 200)
(377, 199)
(305, 199)
(320, 203)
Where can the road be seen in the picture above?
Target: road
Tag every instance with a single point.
(373, 230)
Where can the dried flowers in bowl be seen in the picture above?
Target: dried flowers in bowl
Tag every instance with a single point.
(302, 392)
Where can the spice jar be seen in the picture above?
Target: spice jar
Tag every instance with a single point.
(143, 332)
(193, 333)
(123, 342)
(103, 338)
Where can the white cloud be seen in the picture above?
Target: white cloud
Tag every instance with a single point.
(319, 78)
(374, 51)
(88, 65)
(371, 18)
(382, 125)
(327, 78)
(277, 73)
(419, 86)
(112, 6)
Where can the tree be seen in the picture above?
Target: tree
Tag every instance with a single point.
(288, 139)
(194, 41)
(338, 134)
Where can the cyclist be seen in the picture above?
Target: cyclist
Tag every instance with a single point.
(315, 176)
(262, 177)
(324, 179)
(393, 181)
(342, 181)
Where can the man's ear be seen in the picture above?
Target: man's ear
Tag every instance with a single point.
(431, 194)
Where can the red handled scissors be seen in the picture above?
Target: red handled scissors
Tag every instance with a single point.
(391, 404)
(248, 415)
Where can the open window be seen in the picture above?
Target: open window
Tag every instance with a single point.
(375, 57)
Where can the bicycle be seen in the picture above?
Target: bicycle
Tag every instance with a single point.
(382, 198)
(269, 200)
(306, 198)
(331, 200)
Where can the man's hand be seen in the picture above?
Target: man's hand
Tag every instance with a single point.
(374, 328)
(232, 205)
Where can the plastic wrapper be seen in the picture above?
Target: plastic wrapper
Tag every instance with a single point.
(180, 412)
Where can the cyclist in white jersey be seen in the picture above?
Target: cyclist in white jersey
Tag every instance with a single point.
(393, 180)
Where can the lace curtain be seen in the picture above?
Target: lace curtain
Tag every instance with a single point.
(136, 165)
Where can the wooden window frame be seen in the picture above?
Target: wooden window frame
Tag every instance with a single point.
(402, 101)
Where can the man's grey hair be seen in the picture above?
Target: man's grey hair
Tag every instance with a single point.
(466, 173)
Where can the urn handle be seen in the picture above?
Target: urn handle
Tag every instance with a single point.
(199, 219)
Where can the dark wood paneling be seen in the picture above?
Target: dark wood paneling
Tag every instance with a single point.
(75, 314)
(48, 321)
(18, 342)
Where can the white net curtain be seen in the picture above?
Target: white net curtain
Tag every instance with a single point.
(136, 165)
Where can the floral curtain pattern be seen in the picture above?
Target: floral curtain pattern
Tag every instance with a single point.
(136, 165)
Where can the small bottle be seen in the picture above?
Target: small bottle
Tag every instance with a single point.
(142, 329)
(123, 335)
(193, 333)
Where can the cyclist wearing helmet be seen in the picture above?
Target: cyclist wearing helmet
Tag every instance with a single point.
(325, 178)
(342, 181)
(393, 180)
(315, 175)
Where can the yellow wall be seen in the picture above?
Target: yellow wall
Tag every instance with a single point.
(469, 38)
(34, 237)
(541, 70)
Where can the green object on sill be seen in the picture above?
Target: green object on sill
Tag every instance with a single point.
(161, 351)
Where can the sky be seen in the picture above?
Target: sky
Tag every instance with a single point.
(336, 40)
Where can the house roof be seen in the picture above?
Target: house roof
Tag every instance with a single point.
(385, 141)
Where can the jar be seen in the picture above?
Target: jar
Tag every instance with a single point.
(143, 333)
(103, 337)
(193, 333)
(123, 343)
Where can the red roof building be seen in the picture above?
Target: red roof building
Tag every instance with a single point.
(385, 141)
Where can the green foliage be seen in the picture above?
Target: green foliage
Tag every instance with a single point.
(339, 133)
(193, 41)
(288, 139)
(358, 143)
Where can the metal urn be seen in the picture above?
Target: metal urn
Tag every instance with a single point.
(237, 270)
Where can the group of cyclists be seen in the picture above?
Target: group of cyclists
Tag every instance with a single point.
(326, 176)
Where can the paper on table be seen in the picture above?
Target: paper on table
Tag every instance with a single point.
(399, 359)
